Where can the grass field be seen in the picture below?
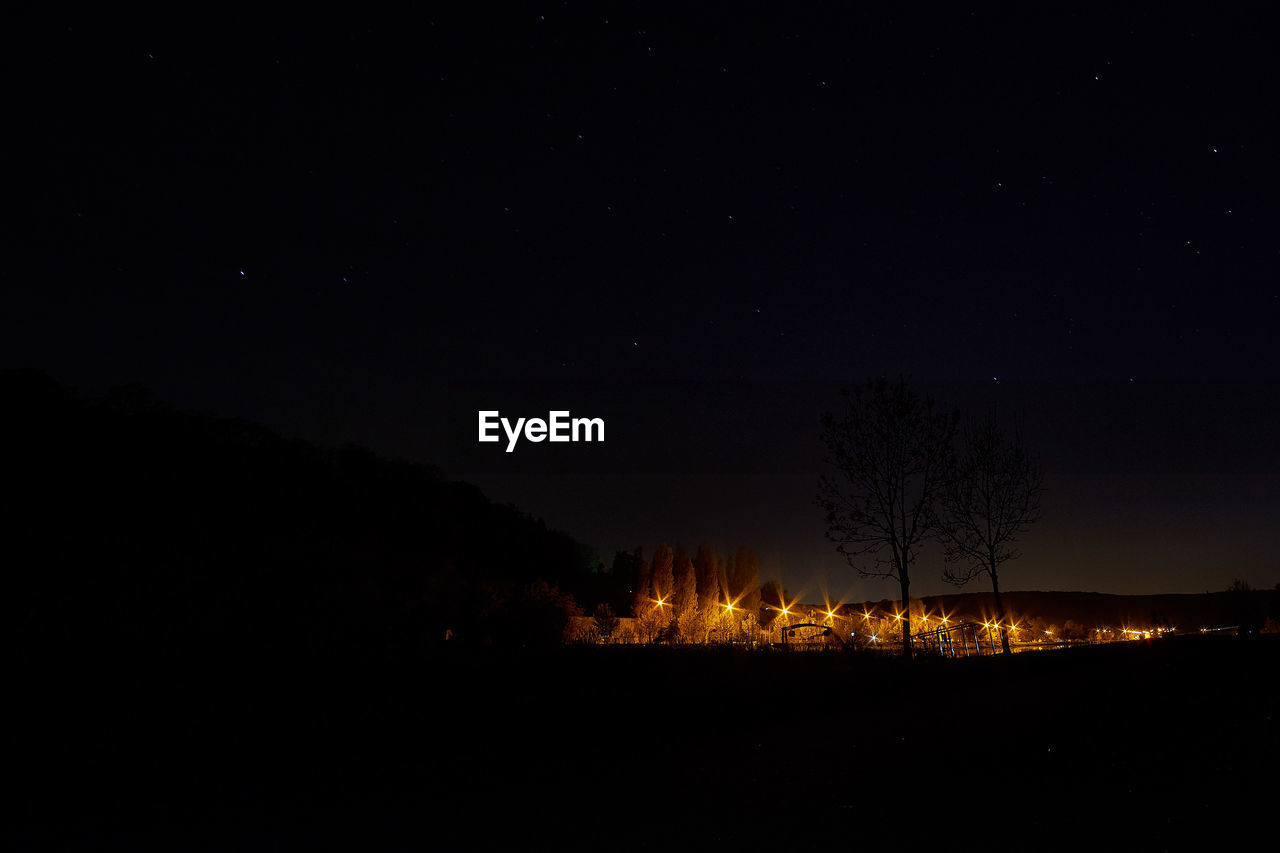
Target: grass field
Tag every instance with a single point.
(1149, 745)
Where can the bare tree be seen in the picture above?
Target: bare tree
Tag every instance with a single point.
(891, 455)
(991, 500)
(605, 621)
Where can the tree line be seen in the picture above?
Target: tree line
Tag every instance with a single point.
(139, 532)
(700, 598)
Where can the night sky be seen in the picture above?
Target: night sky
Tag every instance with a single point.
(698, 223)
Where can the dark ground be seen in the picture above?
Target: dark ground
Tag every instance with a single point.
(1154, 745)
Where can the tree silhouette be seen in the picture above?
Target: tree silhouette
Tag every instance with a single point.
(744, 583)
(890, 454)
(992, 498)
(605, 621)
(662, 574)
(685, 598)
(626, 569)
(1244, 607)
(772, 599)
(644, 607)
(541, 615)
(706, 567)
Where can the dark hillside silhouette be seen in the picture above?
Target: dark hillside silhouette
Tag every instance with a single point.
(1187, 612)
(135, 529)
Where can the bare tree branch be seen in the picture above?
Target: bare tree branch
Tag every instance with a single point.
(890, 454)
(992, 497)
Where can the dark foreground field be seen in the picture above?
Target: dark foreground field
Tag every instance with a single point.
(1161, 745)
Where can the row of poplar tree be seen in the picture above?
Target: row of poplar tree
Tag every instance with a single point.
(706, 597)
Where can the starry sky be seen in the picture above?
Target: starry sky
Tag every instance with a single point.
(700, 223)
